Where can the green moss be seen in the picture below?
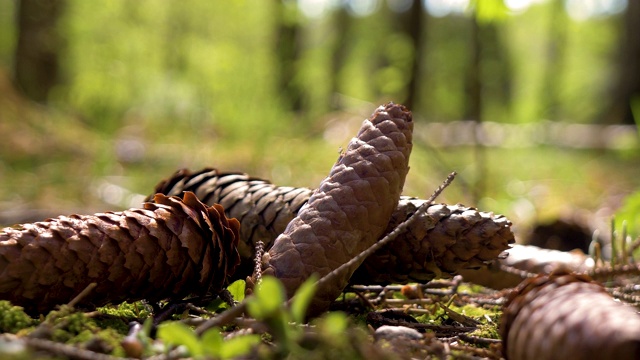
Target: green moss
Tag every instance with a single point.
(489, 330)
(470, 288)
(61, 335)
(77, 328)
(82, 337)
(78, 323)
(118, 317)
(13, 318)
(435, 316)
(119, 325)
(113, 338)
(136, 310)
(473, 311)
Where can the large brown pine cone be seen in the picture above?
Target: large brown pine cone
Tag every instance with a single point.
(349, 211)
(170, 249)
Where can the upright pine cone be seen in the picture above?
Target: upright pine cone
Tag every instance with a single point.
(568, 316)
(168, 250)
(444, 240)
(350, 210)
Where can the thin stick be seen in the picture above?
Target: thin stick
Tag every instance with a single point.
(60, 349)
(224, 318)
(82, 294)
(635, 244)
(257, 270)
(614, 248)
(623, 246)
(390, 236)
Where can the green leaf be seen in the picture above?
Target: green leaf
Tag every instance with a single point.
(216, 305)
(237, 290)
(176, 333)
(630, 211)
(334, 324)
(302, 299)
(212, 342)
(238, 346)
(147, 326)
(268, 298)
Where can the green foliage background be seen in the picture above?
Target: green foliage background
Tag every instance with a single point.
(152, 86)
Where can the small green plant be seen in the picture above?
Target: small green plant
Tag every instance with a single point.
(630, 213)
(211, 344)
(268, 305)
(236, 289)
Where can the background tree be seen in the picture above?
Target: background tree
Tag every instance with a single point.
(412, 23)
(288, 45)
(342, 30)
(225, 84)
(626, 91)
(36, 61)
(555, 59)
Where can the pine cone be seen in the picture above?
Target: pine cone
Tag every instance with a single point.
(568, 316)
(263, 209)
(527, 259)
(168, 250)
(428, 248)
(443, 240)
(349, 211)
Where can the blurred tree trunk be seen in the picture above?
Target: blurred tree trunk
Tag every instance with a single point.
(556, 44)
(488, 87)
(474, 103)
(412, 23)
(288, 48)
(496, 66)
(473, 85)
(177, 29)
(488, 80)
(627, 88)
(36, 61)
(341, 27)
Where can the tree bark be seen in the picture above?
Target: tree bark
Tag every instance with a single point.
(475, 103)
(627, 88)
(36, 61)
(287, 53)
(342, 27)
(557, 41)
(412, 24)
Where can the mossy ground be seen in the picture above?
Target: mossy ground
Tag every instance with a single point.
(334, 335)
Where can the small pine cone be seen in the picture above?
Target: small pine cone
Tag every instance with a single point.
(349, 211)
(263, 209)
(509, 271)
(168, 250)
(568, 316)
(443, 240)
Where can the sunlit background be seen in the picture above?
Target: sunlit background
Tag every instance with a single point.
(532, 102)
